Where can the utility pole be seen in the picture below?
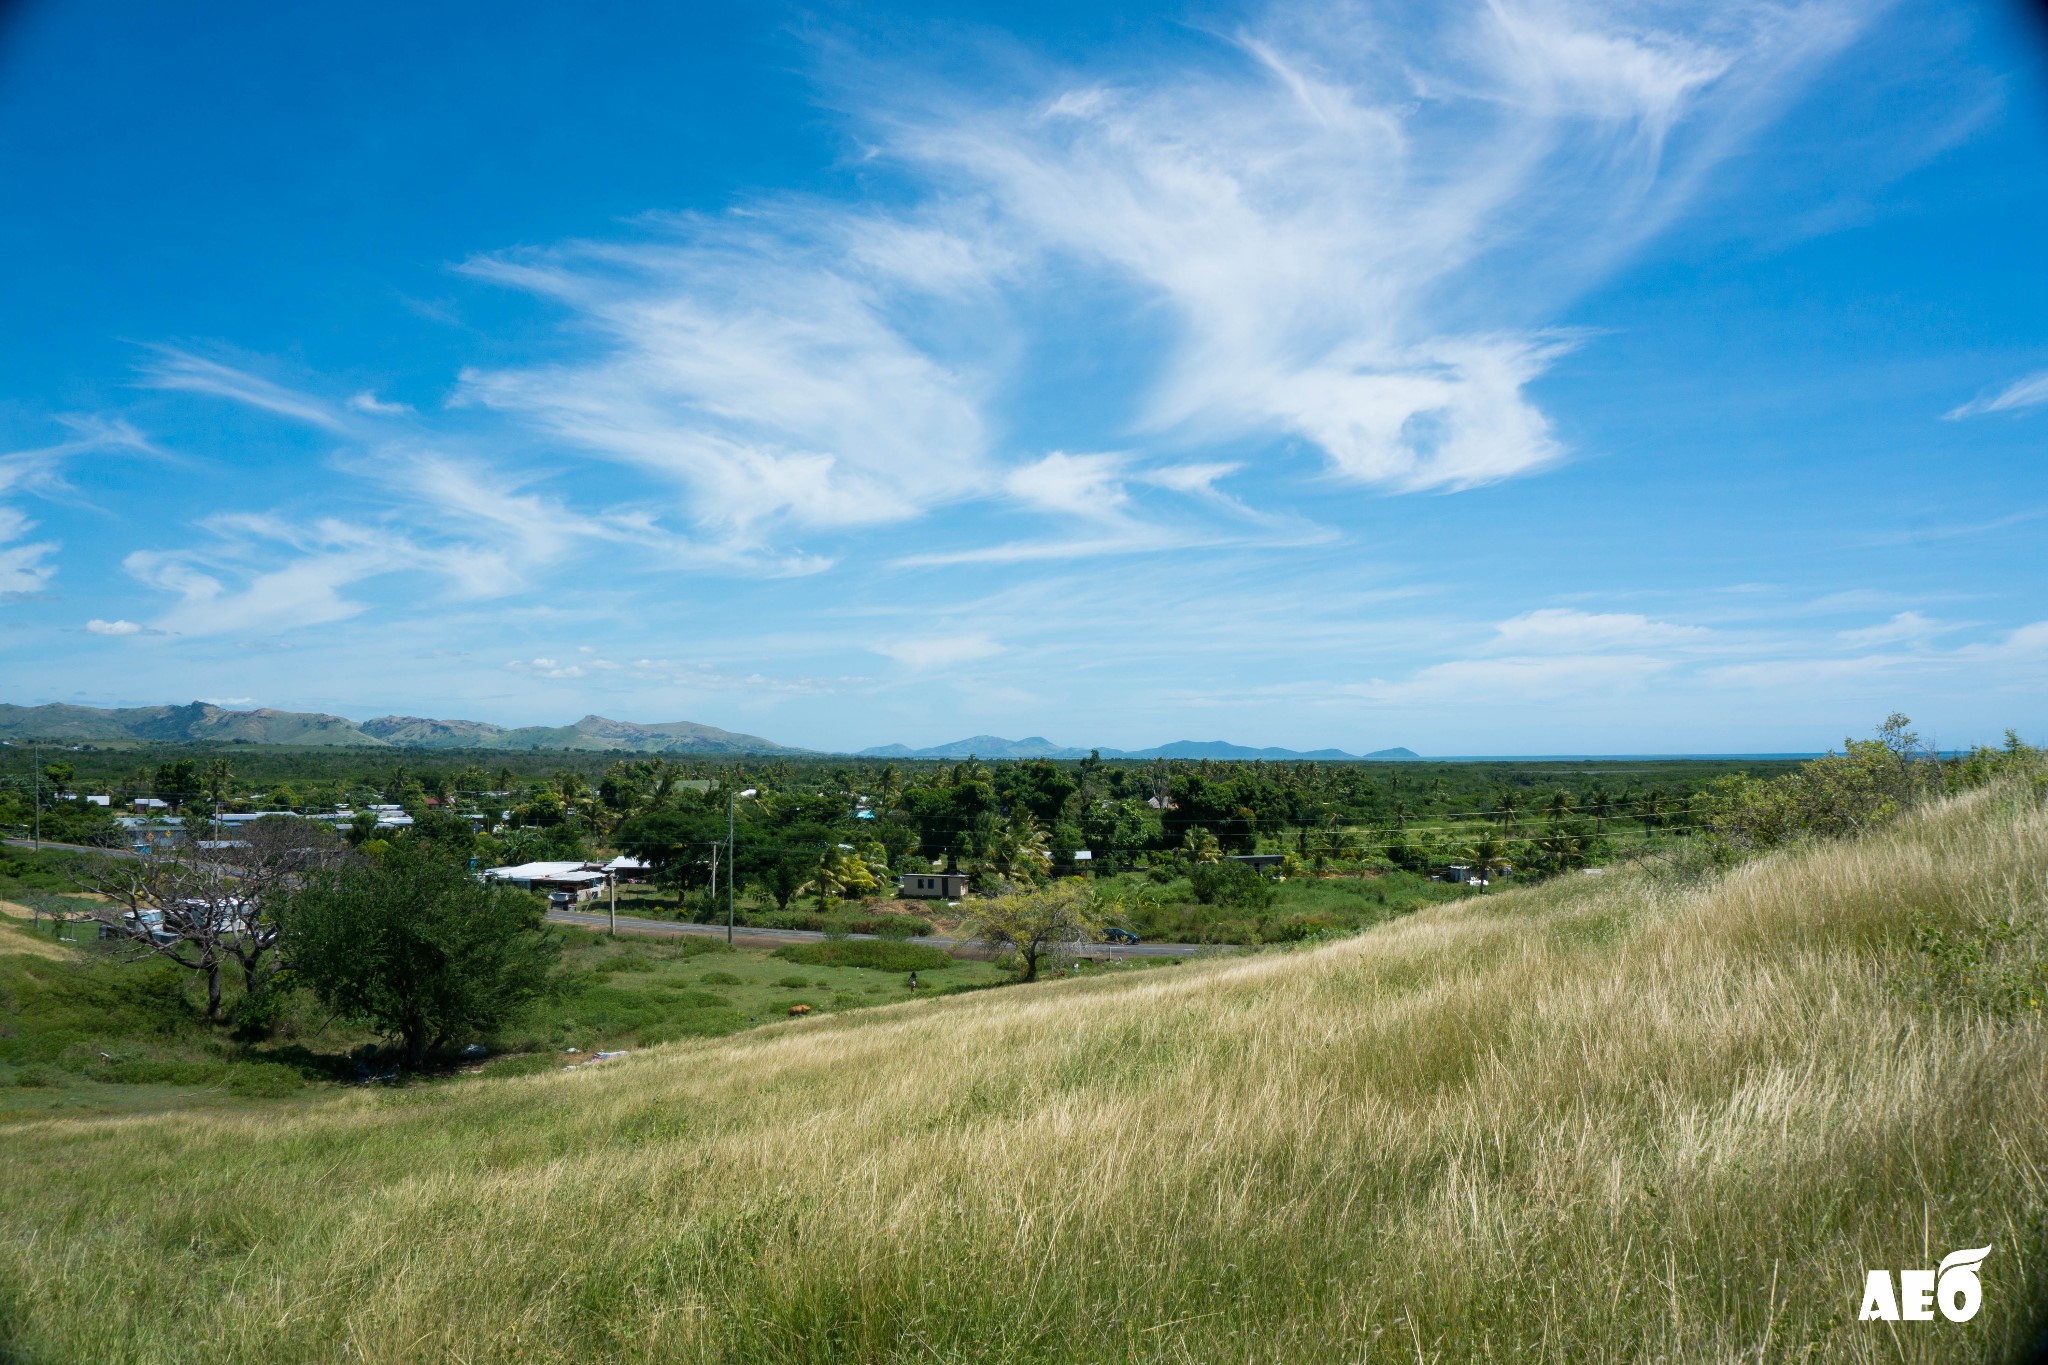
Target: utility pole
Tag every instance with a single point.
(612, 881)
(714, 846)
(732, 861)
(36, 758)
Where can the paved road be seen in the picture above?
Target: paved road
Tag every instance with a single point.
(775, 938)
(742, 934)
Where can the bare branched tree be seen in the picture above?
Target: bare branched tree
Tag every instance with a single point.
(210, 906)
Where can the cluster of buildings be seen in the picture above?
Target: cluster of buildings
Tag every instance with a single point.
(150, 829)
(567, 883)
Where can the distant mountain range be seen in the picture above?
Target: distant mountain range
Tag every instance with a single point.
(204, 723)
(995, 746)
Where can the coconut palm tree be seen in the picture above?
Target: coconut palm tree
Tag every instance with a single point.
(1507, 806)
(1488, 855)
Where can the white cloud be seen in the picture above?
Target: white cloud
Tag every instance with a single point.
(938, 650)
(763, 381)
(2018, 396)
(1354, 228)
(22, 567)
(1905, 627)
(1519, 679)
(174, 369)
(1560, 629)
(544, 668)
(1077, 485)
(368, 402)
(99, 627)
(264, 573)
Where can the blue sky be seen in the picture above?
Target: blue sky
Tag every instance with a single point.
(1522, 377)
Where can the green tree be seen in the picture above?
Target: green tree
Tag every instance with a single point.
(1230, 883)
(1036, 924)
(176, 782)
(1200, 846)
(417, 949)
(676, 840)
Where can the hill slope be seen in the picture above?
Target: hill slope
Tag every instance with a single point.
(1609, 1119)
(196, 722)
(202, 722)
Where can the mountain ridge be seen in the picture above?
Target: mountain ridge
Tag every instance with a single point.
(201, 722)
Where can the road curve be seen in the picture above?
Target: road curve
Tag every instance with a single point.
(776, 938)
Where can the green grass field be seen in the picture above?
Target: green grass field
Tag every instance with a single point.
(1619, 1118)
(83, 1031)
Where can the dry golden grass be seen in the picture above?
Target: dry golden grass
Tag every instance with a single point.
(22, 938)
(1614, 1119)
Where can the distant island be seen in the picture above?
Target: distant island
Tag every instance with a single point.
(204, 723)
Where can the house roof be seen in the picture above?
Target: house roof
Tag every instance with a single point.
(526, 872)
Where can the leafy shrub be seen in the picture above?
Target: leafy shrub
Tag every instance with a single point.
(626, 962)
(878, 954)
(1228, 883)
(1998, 966)
(721, 979)
(37, 1077)
(792, 982)
(264, 1080)
(898, 927)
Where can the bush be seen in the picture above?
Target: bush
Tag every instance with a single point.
(418, 949)
(899, 927)
(793, 983)
(878, 954)
(1228, 883)
(721, 979)
(264, 1080)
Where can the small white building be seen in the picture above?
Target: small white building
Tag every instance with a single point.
(625, 869)
(576, 881)
(943, 886)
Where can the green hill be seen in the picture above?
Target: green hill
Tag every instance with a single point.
(197, 722)
(1641, 1116)
(202, 722)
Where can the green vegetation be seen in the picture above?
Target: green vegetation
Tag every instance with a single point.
(88, 1027)
(879, 954)
(1672, 1112)
(416, 949)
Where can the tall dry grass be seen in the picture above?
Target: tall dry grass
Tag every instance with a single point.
(1609, 1119)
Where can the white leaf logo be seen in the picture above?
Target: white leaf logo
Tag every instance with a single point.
(1957, 1288)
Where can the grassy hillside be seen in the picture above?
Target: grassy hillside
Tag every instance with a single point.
(1612, 1118)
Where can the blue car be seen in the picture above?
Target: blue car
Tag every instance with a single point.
(1116, 935)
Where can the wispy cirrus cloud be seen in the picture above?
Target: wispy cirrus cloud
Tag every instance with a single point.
(25, 567)
(767, 387)
(265, 573)
(1344, 223)
(2019, 396)
(173, 369)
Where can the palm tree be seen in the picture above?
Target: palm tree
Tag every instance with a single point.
(1507, 805)
(1488, 855)
(1600, 805)
(1200, 846)
(1557, 807)
(1651, 809)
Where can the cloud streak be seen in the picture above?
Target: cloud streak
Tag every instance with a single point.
(2021, 395)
